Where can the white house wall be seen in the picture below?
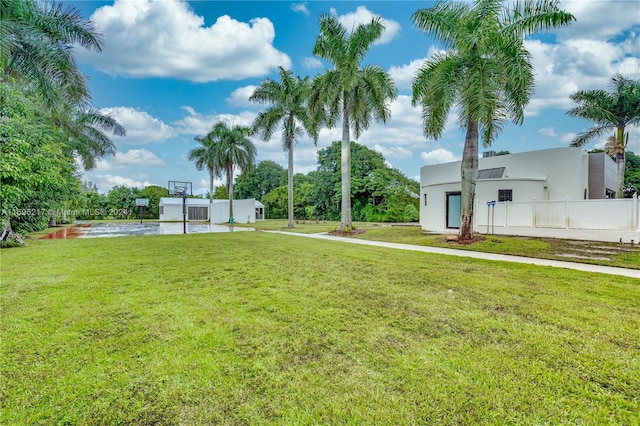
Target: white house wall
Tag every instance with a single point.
(551, 174)
(244, 211)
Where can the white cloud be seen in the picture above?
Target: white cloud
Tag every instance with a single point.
(311, 63)
(141, 127)
(576, 64)
(566, 138)
(589, 21)
(196, 123)
(394, 151)
(548, 131)
(362, 15)
(240, 97)
(403, 75)
(145, 38)
(133, 157)
(437, 156)
(300, 7)
(137, 157)
(105, 183)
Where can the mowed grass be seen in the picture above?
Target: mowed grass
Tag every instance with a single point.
(594, 252)
(258, 328)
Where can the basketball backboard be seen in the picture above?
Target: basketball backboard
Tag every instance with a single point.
(178, 188)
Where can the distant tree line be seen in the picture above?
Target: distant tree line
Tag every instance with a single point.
(379, 193)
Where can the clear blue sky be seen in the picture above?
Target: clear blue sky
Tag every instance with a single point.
(170, 69)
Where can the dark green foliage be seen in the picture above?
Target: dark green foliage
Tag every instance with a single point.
(220, 193)
(632, 175)
(275, 203)
(153, 193)
(121, 200)
(266, 176)
(378, 192)
(36, 173)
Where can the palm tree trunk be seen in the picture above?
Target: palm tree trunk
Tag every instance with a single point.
(210, 194)
(230, 191)
(290, 183)
(620, 162)
(469, 173)
(345, 161)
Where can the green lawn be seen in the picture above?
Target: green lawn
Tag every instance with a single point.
(599, 253)
(594, 252)
(257, 328)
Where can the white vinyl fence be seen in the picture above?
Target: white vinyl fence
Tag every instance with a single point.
(613, 214)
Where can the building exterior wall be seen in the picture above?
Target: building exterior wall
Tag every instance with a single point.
(171, 208)
(244, 211)
(552, 174)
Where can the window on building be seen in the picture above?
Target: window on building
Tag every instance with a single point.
(425, 199)
(505, 194)
(495, 173)
(161, 209)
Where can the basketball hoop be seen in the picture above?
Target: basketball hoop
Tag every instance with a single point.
(183, 190)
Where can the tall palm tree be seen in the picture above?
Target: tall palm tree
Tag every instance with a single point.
(231, 148)
(36, 46)
(610, 110)
(485, 72)
(349, 92)
(288, 99)
(205, 156)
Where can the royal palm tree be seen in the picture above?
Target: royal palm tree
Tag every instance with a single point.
(205, 157)
(231, 148)
(485, 72)
(611, 111)
(349, 93)
(36, 46)
(288, 99)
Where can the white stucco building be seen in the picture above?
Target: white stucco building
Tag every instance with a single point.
(244, 211)
(516, 182)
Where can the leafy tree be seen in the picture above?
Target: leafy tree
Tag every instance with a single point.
(610, 111)
(36, 174)
(220, 193)
(259, 181)
(36, 46)
(275, 203)
(287, 99)
(349, 93)
(153, 193)
(123, 199)
(91, 205)
(379, 192)
(485, 72)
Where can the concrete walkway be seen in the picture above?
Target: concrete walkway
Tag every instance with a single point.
(632, 273)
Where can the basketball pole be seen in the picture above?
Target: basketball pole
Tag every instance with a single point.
(184, 212)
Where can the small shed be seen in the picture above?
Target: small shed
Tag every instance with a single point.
(171, 208)
(244, 211)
